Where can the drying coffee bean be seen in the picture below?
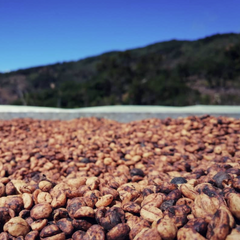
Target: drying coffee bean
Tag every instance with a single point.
(178, 180)
(85, 160)
(220, 178)
(96, 178)
(137, 171)
(166, 204)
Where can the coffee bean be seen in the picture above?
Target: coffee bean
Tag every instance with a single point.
(166, 204)
(85, 160)
(88, 178)
(137, 171)
(220, 177)
(178, 180)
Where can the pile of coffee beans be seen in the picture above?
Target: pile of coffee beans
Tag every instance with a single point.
(93, 178)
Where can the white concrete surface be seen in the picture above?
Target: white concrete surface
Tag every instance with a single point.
(119, 113)
(126, 108)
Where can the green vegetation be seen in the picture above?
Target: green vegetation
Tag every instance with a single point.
(178, 73)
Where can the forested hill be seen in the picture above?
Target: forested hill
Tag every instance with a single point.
(206, 71)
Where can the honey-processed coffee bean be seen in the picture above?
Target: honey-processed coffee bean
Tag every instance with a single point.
(151, 213)
(4, 236)
(41, 211)
(60, 213)
(220, 177)
(166, 204)
(78, 235)
(95, 232)
(118, 232)
(198, 224)
(131, 207)
(38, 225)
(16, 227)
(174, 195)
(32, 235)
(219, 227)
(81, 224)
(5, 215)
(59, 236)
(178, 180)
(147, 233)
(13, 202)
(137, 172)
(154, 199)
(10, 189)
(84, 211)
(74, 204)
(93, 178)
(49, 231)
(2, 189)
(85, 160)
(65, 225)
(166, 228)
(235, 234)
(110, 218)
(186, 233)
(24, 214)
(45, 186)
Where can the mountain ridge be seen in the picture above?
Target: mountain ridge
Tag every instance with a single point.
(157, 74)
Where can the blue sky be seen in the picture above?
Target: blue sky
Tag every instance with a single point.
(41, 32)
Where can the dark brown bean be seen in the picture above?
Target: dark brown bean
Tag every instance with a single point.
(65, 225)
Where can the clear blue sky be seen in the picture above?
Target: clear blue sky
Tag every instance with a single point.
(40, 32)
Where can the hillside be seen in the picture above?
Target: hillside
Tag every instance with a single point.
(178, 73)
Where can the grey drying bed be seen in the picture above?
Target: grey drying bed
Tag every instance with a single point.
(118, 113)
